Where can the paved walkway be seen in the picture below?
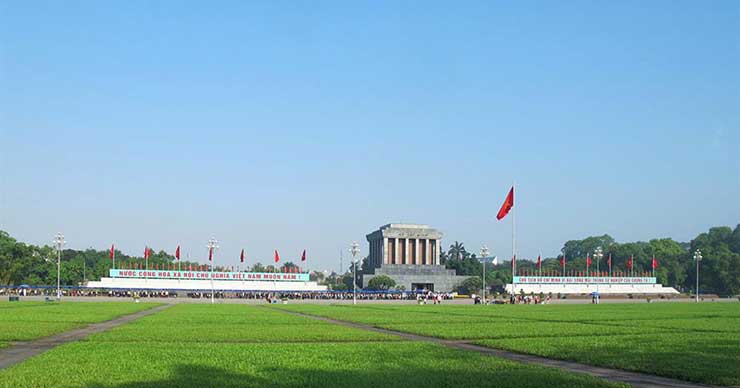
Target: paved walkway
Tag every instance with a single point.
(635, 379)
(19, 351)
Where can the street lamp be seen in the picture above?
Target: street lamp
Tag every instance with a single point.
(697, 258)
(59, 243)
(483, 254)
(354, 250)
(212, 246)
(598, 255)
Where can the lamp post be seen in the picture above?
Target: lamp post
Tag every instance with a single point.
(697, 258)
(59, 243)
(483, 254)
(598, 255)
(354, 250)
(212, 246)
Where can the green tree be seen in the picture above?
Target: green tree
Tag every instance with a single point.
(258, 267)
(381, 283)
(457, 251)
(471, 285)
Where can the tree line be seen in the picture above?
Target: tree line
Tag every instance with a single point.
(719, 272)
(30, 264)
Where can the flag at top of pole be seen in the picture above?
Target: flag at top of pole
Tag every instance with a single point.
(241, 257)
(177, 253)
(303, 256)
(277, 256)
(503, 212)
(507, 205)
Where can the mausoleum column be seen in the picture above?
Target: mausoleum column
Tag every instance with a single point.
(428, 260)
(406, 257)
(385, 250)
(438, 242)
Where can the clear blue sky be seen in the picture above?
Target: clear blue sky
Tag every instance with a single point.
(286, 125)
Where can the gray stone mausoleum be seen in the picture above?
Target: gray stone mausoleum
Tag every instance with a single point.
(409, 254)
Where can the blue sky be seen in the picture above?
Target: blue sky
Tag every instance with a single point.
(296, 125)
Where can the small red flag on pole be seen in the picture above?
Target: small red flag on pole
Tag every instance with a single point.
(210, 254)
(241, 257)
(539, 261)
(303, 256)
(177, 253)
(507, 205)
(655, 263)
(277, 256)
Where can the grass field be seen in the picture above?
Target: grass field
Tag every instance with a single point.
(686, 341)
(252, 346)
(30, 320)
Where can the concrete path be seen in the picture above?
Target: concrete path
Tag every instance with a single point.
(635, 379)
(19, 351)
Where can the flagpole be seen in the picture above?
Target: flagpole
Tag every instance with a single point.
(513, 241)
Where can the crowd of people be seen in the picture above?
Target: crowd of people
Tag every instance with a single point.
(420, 295)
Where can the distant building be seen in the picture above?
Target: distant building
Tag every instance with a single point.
(409, 254)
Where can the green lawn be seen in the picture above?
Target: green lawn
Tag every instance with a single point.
(232, 323)
(681, 340)
(23, 321)
(712, 358)
(183, 346)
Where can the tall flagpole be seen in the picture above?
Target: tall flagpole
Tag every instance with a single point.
(513, 240)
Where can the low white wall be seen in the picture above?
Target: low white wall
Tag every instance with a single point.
(603, 289)
(232, 285)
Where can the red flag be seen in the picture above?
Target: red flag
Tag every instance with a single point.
(562, 261)
(539, 261)
(507, 205)
(177, 253)
(588, 262)
(146, 252)
(655, 263)
(609, 262)
(210, 254)
(241, 257)
(112, 253)
(629, 262)
(277, 256)
(303, 256)
(190, 267)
